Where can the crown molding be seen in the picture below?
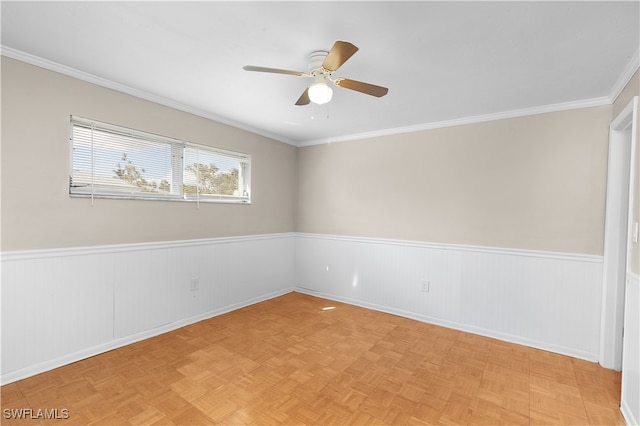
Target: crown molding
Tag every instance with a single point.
(605, 100)
(632, 66)
(109, 84)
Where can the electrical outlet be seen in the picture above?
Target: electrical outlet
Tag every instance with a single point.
(424, 286)
(195, 284)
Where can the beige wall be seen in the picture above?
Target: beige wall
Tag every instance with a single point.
(535, 182)
(37, 211)
(633, 89)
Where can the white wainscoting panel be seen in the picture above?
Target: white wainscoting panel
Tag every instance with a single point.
(545, 300)
(53, 306)
(630, 405)
(380, 275)
(62, 305)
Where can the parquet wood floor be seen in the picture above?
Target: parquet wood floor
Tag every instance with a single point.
(288, 361)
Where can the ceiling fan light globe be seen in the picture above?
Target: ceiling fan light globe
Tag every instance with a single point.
(320, 93)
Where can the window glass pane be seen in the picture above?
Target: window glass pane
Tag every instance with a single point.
(208, 173)
(113, 161)
(116, 163)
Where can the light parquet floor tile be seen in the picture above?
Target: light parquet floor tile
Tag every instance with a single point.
(286, 361)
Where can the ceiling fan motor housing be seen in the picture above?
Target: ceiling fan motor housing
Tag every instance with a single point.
(315, 60)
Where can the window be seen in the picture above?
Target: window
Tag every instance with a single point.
(109, 161)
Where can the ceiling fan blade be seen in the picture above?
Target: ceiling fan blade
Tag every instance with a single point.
(359, 86)
(273, 70)
(304, 98)
(338, 55)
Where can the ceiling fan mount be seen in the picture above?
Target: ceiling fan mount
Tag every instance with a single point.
(322, 64)
(315, 60)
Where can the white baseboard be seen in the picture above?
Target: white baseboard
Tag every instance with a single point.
(545, 300)
(32, 370)
(62, 305)
(456, 326)
(627, 415)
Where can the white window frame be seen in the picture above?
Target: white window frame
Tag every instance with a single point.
(178, 149)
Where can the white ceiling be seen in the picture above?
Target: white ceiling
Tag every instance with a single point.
(444, 62)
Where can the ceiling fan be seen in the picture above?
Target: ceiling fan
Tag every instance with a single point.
(322, 65)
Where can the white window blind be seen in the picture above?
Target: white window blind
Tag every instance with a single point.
(214, 175)
(113, 161)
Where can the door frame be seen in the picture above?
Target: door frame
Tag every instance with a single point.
(622, 143)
